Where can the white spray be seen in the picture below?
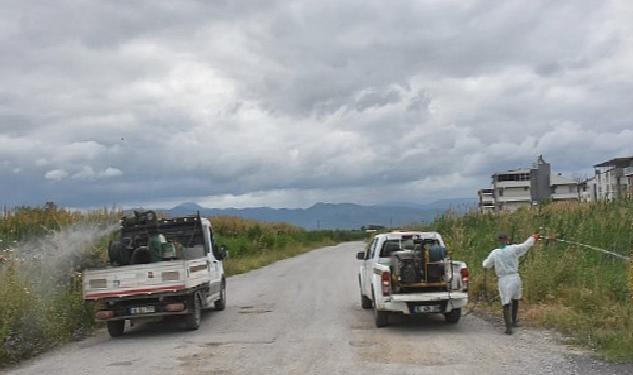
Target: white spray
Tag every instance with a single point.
(55, 256)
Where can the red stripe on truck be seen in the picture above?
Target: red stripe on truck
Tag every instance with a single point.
(133, 292)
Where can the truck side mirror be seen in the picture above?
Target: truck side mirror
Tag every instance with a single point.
(224, 253)
(360, 255)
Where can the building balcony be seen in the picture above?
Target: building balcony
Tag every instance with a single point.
(486, 191)
(512, 184)
(628, 171)
(564, 196)
(520, 199)
(616, 172)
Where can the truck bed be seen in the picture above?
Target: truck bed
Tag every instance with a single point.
(145, 279)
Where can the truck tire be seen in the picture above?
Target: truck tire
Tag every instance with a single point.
(381, 318)
(221, 303)
(365, 302)
(192, 320)
(116, 328)
(453, 316)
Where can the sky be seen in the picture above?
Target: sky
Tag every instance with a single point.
(288, 103)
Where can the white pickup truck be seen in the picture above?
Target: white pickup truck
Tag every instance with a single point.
(410, 273)
(159, 267)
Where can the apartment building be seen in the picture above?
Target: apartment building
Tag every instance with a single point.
(524, 187)
(564, 189)
(613, 179)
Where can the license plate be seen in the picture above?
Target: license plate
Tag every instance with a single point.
(426, 309)
(142, 310)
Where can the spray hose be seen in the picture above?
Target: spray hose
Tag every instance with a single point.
(620, 256)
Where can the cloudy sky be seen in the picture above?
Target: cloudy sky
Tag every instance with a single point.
(286, 103)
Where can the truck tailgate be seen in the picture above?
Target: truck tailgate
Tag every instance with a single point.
(428, 297)
(144, 279)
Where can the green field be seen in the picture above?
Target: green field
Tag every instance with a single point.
(582, 293)
(42, 252)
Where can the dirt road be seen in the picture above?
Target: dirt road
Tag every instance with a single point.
(303, 316)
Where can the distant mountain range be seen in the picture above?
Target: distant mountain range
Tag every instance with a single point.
(338, 215)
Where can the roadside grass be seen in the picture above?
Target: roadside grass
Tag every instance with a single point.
(252, 244)
(582, 293)
(40, 293)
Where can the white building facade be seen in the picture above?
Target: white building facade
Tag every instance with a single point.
(613, 179)
(525, 187)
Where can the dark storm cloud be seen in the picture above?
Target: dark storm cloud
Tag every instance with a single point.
(293, 102)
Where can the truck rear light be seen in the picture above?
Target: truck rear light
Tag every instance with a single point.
(104, 314)
(464, 272)
(386, 283)
(175, 307)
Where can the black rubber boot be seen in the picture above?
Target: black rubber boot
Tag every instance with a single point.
(507, 318)
(515, 313)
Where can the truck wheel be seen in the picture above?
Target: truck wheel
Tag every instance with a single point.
(381, 318)
(192, 321)
(116, 328)
(365, 302)
(221, 303)
(453, 316)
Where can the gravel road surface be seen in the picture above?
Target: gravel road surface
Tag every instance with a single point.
(303, 316)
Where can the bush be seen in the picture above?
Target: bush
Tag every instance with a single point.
(42, 250)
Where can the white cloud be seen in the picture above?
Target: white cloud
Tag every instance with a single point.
(88, 173)
(111, 172)
(56, 174)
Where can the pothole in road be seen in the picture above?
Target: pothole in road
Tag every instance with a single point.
(238, 342)
(254, 310)
(362, 343)
(362, 327)
(122, 363)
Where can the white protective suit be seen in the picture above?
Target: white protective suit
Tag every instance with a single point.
(506, 264)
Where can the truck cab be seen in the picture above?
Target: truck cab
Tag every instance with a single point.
(411, 273)
(157, 268)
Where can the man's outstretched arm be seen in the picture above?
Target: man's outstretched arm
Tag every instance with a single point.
(521, 249)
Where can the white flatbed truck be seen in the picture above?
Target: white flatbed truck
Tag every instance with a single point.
(158, 268)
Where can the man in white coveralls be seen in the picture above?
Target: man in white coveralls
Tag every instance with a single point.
(505, 260)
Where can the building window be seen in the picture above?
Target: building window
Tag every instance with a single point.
(526, 188)
(501, 192)
(513, 177)
(571, 189)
